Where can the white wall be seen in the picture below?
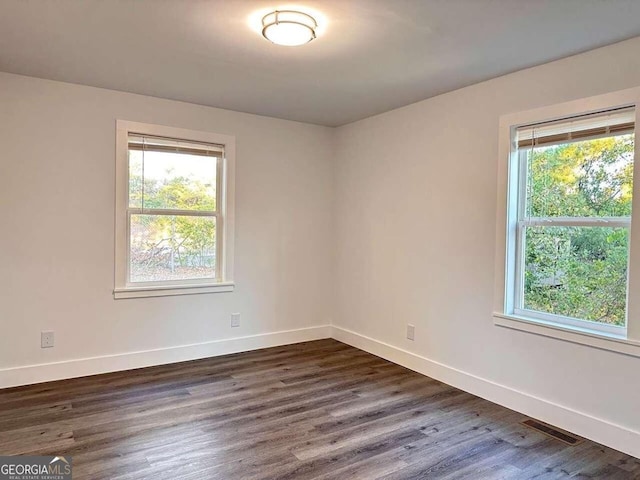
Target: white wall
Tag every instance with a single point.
(384, 222)
(57, 166)
(416, 190)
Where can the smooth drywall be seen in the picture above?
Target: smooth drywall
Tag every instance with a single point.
(416, 222)
(57, 167)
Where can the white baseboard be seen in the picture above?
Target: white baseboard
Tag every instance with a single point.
(585, 425)
(12, 377)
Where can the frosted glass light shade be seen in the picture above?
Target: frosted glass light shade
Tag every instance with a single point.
(289, 28)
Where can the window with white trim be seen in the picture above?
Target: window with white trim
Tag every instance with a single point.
(569, 220)
(173, 211)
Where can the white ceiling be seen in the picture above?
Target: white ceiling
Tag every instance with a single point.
(372, 55)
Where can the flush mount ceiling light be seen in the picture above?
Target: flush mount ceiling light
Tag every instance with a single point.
(289, 27)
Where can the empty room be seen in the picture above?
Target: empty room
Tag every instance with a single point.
(332, 239)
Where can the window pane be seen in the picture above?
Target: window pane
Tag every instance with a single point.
(172, 247)
(591, 178)
(578, 272)
(172, 180)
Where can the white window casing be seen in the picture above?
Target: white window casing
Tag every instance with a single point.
(223, 213)
(511, 221)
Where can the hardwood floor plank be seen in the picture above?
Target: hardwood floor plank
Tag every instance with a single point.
(359, 450)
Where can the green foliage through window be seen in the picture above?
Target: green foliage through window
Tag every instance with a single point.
(579, 271)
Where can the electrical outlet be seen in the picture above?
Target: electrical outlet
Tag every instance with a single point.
(411, 332)
(235, 319)
(46, 339)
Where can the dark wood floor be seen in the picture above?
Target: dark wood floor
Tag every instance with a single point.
(317, 410)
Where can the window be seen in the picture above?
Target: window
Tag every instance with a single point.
(575, 187)
(174, 214)
(567, 216)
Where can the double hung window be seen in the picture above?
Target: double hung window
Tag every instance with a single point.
(571, 191)
(173, 211)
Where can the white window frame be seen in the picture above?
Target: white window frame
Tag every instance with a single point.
(518, 217)
(225, 186)
(508, 268)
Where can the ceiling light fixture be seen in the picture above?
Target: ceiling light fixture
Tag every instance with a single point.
(289, 27)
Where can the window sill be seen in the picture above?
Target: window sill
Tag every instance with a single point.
(591, 338)
(168, 290)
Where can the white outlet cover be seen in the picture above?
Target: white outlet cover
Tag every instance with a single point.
(46, 339)
(235, 319)
(411, 332)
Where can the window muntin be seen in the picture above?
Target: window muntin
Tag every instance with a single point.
(174, 222)
(574, 187)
